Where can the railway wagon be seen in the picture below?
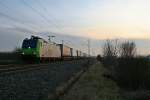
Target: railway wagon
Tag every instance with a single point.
(81, 54)
(66, 52)
(85, 55)
(75, 54)
(37, 48)
(78, 54)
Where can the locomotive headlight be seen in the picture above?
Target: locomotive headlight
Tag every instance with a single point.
(22, 53)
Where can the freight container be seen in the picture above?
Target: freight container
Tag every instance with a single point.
(49, 50)
(66, 51)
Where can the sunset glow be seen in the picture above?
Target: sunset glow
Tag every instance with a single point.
(119, 19)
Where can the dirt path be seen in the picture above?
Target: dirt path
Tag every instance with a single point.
(93, 86)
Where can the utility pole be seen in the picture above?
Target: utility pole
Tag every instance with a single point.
(89, 47)
(49, 38)
(62, 42)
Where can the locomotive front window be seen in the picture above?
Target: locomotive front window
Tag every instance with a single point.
(29, 43)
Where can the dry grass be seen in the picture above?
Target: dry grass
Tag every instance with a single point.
(93, 86)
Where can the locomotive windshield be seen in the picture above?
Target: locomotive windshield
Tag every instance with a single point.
(31, 43)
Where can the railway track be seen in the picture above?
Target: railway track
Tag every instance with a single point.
(19, 68)
(12, 68)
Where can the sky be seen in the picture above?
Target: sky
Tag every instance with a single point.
(75, 21)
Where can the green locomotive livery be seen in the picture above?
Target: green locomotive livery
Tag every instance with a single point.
(39, 49)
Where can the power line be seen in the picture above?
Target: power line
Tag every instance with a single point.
(39, 13)
(44, 8)
(41, 4)
(34, 10)
(13, 19)
(89, 47)
(10, 17)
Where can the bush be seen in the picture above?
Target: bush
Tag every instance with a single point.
(125, 67)
(110, 52)
(133, 73)
(99, 57)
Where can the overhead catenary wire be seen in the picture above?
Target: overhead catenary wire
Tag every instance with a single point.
(40, 14)
(13, 18)
(41, 4)
(43, 16)
(14, 25)
(48, 21)
(35, 10)
(18, 21)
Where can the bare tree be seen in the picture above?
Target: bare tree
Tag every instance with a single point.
(127, 49)
(110, 48)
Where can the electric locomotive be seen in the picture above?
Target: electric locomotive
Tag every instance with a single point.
(37, 48)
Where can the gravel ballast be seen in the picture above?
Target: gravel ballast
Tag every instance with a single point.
(37, 84)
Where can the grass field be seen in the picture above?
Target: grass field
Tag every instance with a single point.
(93, 86)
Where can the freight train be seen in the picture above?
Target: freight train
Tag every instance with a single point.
(38, 49)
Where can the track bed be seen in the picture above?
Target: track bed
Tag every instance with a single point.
(37, 84)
